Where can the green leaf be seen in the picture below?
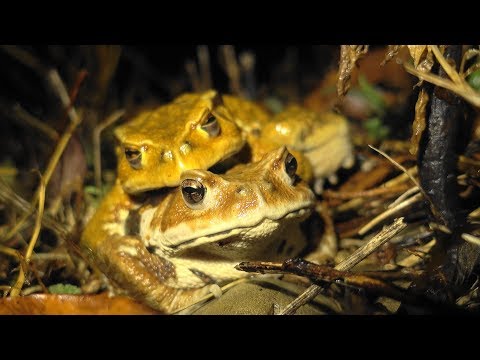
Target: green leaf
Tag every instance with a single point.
(474, 80)
(372, 95)
(376, 128)
(64, 289)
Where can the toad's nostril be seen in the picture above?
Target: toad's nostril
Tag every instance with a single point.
(167, 155)
(185, 148)
(241, 190)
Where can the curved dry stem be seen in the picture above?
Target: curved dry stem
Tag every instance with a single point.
(386, 214)
(378, 240)
(17, 287)
(463, 89)
(470, 53)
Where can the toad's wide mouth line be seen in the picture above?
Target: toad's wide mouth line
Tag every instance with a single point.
(222, 235)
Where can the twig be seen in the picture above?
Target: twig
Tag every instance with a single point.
(204, 67)
(32, 289)
(17, 287)
(451, 72)
(390, 183)
(414, 259)
(372, 281)
(51, 257)
(25, 58)
(34, 122)
(247, 62)
(342, 195)
(471, 238)
(97, 160)
(396, 164)
(8, 196)
(232, 69)
(404, 196)
(382, 237)
(8, 171)
(192, 71)
(389, 212)
(462, 89)
(11, 252)
(59, 88)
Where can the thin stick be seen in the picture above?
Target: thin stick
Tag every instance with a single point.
(404, 196)
(191, 69)
(390, 183)
(464, 90)
(11, 252)
(232, 69)
(59, 88)
(17, 287)
(8, 196)
(25, 58)
(471, 238)
(396, 164)
(204, 67)
(97, 159)
(389, 212)
(34, 122)
(343, 195)
(452, 73)
(8, 171)
(381, 238)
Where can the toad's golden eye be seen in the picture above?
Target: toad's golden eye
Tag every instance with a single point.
(291, 165)
(134, 158)
(211, 126)
(193, 191)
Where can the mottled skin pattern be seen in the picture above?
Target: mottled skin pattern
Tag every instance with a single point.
(248, 213)
(323, 138)
(320, 142)
(171, 140)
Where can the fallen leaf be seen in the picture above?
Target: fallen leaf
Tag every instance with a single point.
(349, 55)
(419, 123)
(54, 304)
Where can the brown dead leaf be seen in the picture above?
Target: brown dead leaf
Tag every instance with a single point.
(392, 75)
(419, 122)
(392, 51)
(54, 304)
(349, 55)
(422, 57)
(416, 52)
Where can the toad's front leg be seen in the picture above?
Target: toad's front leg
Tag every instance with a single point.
(125, 259)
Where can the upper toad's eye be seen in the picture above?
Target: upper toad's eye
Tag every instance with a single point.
(211, 126)
(193, 191)
(291, 165)
(134, 157)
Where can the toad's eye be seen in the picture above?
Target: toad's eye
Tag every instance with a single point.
(211, 126)
(291, 165)
(134, 158)
(193, 191)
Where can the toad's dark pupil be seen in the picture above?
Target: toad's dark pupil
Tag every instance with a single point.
(291, 165)
(134, 158)
(211, 126)
(193, 191)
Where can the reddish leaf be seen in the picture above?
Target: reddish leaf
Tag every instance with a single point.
(55, 304)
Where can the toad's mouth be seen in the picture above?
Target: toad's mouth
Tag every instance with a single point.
(240, 234)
